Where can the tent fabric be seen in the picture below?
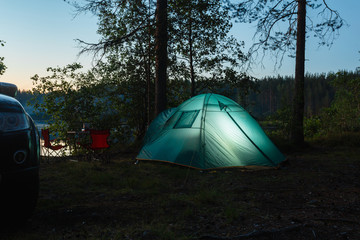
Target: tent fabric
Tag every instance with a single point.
(209, 131)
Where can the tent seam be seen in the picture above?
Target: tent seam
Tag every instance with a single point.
(257, 147)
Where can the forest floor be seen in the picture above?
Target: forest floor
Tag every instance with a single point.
(315, 196)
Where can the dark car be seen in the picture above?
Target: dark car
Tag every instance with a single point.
(19, 158)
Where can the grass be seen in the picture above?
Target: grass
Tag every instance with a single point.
(121, 200)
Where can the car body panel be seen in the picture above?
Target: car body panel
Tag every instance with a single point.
(19, 159)
(26, 140)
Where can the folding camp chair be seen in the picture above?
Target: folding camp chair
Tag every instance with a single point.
(98, 144)
(48, 148)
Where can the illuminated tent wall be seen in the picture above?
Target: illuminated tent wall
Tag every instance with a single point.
(209, 131)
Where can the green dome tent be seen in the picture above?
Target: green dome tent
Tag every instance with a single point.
(209, 131)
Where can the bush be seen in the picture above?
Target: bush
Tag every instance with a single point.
(313, 127)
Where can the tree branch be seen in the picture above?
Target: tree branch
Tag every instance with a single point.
(105, 45)
(327, 6)
(268, 31)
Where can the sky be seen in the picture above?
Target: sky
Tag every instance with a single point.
(41, 34)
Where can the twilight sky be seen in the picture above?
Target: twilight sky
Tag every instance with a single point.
(42, 33)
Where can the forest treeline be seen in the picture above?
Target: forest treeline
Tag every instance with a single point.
(332, 103)
(276, 92)
(267, 96)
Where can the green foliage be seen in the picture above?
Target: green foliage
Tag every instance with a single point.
(127, 53)
(60, 97)
(313, 127)
(72, 98)
(343, 115)
(126, 88)
(278, 124)
(346, 106)
(332, 104)
(2, 65)
(199, 40)
(235, 85)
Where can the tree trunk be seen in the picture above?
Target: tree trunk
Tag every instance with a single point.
(148, 74)
(191, 62)
(161, 39)
(297, 128)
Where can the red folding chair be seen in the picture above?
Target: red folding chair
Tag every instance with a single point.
(48, 148)
(98, 143)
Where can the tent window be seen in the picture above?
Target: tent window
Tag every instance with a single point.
(186, 119)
